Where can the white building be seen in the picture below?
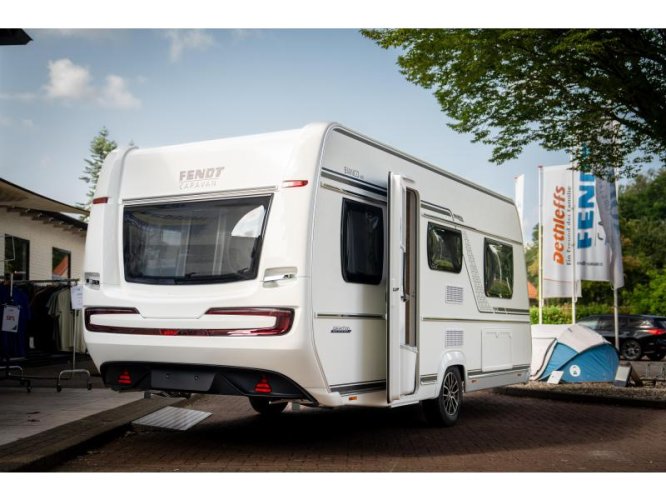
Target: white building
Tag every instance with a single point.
(37, 241)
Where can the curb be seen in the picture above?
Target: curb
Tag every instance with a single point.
(581, 398)
(47, 449)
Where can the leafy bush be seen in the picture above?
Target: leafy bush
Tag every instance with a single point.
(650, 297)
(561, 314)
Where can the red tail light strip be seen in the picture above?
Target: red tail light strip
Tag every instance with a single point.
(284, 318)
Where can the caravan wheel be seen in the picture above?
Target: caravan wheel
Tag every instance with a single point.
(264, 406)
(445, 409)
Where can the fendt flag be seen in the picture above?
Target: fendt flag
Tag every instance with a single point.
(573, 229)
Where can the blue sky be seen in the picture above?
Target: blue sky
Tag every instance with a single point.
(164, 86)
(156, 87)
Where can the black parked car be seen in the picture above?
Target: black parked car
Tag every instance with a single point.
(639, 335)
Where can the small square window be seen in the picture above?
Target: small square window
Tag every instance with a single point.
(61, 264)
(444, 249)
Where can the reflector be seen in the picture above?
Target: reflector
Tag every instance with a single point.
(124, 378)
(263, 386)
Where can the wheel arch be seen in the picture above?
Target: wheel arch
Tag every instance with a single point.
(452, 359)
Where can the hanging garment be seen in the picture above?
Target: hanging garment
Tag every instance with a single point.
(14, 345)
(42, 326)
(68, 322)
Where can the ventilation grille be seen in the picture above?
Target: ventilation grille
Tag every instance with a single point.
(454, 295)
(454, 338)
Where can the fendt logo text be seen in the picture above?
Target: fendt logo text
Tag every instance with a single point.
(200, 177)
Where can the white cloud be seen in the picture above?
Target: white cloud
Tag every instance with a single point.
(116, 95)
(5, 121)
(71, 82)
(182, 40)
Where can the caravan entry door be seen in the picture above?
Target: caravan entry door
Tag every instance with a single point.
(402, 338)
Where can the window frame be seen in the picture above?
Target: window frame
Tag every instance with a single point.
(69, 265)
(10, 261)
(261, 200)
(431, 264)
(486, 243)
(358, 278)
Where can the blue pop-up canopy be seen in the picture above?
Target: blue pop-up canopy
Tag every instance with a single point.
(579, 352)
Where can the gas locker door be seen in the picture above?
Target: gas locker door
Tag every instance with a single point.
(402, 338)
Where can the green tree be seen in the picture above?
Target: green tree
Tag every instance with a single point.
(559, 88)
(643, 223)
(649, 297)
(100, 147)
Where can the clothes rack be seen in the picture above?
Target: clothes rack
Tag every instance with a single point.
(69, 373)
(9, 368)
(74, 370)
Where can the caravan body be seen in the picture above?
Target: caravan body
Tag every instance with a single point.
(311, 265)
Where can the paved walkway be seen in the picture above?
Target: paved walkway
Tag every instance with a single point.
(40, 427)
(24, 414)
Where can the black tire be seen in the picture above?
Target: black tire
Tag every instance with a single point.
(631, 350)
(656, 356)
(265, 406)
(444, 410)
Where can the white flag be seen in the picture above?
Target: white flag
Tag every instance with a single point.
(557, 221)
(592, 255)
(519, 200)
(610, 220)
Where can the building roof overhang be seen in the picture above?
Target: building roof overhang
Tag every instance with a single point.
(15, 196)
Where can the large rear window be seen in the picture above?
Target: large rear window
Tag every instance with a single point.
(199, 242)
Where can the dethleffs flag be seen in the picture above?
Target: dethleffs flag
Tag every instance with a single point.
(556, 222)
(572, 229)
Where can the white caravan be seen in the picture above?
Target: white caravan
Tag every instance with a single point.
(314, 266)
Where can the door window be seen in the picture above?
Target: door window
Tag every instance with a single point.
(362, 243)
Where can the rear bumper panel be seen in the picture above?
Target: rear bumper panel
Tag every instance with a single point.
(207, 379)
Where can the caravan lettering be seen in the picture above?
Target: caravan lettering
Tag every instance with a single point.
(200, 177)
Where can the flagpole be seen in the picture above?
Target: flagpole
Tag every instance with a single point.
(615, 301)
(540, 244)
(573, 246)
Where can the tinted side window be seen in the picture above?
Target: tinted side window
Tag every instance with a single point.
(590, 323)
(638, 322)
(606, 323)
(498, 269)
(362, 243)
(444, 249)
